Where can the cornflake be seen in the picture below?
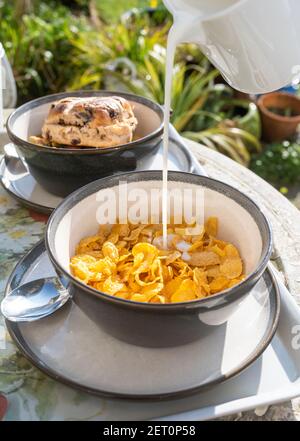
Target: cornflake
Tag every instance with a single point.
(128, 261)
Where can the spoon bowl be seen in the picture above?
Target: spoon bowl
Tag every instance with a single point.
(34, 300)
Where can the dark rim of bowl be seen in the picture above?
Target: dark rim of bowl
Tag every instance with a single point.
(61, 150)
(16, 334)
(74, 198)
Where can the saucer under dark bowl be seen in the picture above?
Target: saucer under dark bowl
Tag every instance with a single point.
(160, 325)
(62, 170)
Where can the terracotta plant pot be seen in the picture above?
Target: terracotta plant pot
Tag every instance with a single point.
(276, 127)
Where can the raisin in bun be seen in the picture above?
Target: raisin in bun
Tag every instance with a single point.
(90, 122)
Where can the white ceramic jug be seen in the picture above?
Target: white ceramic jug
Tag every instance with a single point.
(254, 43)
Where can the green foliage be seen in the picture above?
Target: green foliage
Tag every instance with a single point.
(52, 50)
(221, 105)
(40, 47)
(119, 50)
(236, 143)
(225, 124)
(279, 163)
(139, 67)
(112, 14)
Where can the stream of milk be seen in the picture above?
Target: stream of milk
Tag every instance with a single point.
(171, 47)
(188, 15)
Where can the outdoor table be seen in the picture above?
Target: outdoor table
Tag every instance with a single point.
(28, 394)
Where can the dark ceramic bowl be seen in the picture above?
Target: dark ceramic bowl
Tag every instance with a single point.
(61, 171)
(241, 223)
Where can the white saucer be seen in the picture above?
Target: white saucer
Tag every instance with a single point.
(17, 181)
(72, 349)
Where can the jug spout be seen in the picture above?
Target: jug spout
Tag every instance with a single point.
(193, 33)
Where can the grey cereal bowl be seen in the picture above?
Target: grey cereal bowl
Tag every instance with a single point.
(62, 170)
(161, 325)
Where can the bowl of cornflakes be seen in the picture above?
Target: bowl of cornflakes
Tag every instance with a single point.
(151, 286)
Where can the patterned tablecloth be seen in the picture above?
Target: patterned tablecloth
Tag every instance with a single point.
(27, 394)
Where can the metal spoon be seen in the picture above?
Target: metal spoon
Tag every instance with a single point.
(34, 300)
